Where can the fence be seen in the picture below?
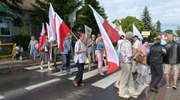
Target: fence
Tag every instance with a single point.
(13, 50)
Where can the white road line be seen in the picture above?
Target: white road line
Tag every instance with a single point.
(72, 70)
(105, 82)
(62, 73)
(36, 67)
(43, 70)
(1, 97)
(87, 74)
(29, 88)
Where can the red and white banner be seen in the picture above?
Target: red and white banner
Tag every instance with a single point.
(105, 29)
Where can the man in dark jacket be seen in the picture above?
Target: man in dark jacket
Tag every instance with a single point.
(155, 60)
(172, 60)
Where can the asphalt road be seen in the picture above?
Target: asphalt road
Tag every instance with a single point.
(34, 84)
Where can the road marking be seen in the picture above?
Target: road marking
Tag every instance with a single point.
(36, 67)
(72, 70)
(87, 74)
(43, 70)
(105, 82)
(1, 97)
(29, 88)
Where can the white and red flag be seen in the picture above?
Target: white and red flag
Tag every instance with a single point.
(119, 29)
(62, 31)
(42, 39)
(49, 33)
(59, 28)
(105, 29)
(111, 31)
(52, 22)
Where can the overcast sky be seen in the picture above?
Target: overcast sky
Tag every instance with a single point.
(167, 11)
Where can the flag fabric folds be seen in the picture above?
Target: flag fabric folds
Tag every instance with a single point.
(59, 29)
(112, 32)
(105, 29)
(136, 32)
(42, 39)
(52, 22)
(62, 31)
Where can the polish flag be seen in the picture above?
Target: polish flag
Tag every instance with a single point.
(49, 33)
(61, 31)
(112, 32)
(105, 29)
(52, 22)
(42, 39)
(118, 29)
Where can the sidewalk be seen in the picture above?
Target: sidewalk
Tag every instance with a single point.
(11, 64)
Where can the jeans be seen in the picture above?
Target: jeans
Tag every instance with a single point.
(65, 62)
(79, 75)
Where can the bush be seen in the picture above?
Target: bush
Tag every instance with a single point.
(5, 50)
(22, 40)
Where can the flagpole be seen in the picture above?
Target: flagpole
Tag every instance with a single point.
(74, 35)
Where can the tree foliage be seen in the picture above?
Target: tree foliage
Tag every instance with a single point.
(146, 19)
(158, 26)
(178, 32)
(64, 8)
(40, 10)
(85, 16)
(126, 23)
(168, 31)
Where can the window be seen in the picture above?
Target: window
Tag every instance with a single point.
(4, 29)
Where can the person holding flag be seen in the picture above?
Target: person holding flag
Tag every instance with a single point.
(45, 54)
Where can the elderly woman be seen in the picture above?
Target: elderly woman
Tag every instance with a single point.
(33, 52)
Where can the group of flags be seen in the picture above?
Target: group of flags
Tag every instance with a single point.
(55, 30)
(58, 30)
(111, 33)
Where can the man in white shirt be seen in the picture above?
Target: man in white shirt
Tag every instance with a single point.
(79, 59)
(125, 81)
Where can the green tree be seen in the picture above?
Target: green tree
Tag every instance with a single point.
(178, 32)
(62, 7)
(158, 26)
(146, 19)
(154, 32)
(85, 16)
(127, 22)
(168, 31)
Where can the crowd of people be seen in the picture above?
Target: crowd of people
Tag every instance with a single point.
(147, 61)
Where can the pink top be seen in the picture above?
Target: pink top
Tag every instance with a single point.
(144, 50)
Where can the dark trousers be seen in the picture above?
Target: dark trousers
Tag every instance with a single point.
(157, 74)
(66, 62)
(79, 75)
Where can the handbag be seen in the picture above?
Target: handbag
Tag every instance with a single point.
(141, 59)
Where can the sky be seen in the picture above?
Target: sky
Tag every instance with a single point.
(167, 11)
